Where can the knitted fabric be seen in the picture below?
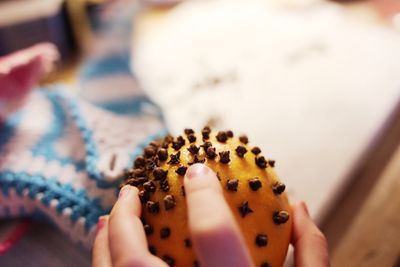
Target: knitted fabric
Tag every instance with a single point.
(62, 156)
(62, 159)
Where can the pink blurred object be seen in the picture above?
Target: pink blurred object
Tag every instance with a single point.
(20, 72)
(14, 236)
(388, 8)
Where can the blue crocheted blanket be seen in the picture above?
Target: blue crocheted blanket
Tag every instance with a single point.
(63, 155)
(62, 158)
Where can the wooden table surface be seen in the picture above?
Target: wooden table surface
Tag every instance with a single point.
(363, 228)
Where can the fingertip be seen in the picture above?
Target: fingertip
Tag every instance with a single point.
(196, 170)
(101, 223)
(199, 177)
(301, 220)
(127, 191)
(127, 204)
(311, 248)
(135, 190)
(304, 207)
(301, 208)
(302, 223)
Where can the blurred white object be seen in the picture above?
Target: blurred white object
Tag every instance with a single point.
(295, 3)
(14, 12)
(310, 86)
(396, 21)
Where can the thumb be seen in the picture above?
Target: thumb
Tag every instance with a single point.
(310, 245)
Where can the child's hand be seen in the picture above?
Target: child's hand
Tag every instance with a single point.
(310, 245)
(20, 72)
(121, 240)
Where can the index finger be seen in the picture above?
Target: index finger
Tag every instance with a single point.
(127, 239)
(216, 236)
(310, 245)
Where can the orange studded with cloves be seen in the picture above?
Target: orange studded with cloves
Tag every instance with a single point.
(253, 191)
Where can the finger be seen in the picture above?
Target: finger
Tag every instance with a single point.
(310, 245)
(128, 244)
(101, 252)
(215, 233)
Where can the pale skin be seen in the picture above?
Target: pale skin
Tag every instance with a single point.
(121, 241)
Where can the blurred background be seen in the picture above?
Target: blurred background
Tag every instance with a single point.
(315, 83)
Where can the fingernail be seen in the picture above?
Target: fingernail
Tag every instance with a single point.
(196, 170)
(303, 206)
(101, 223)
(124, 191)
